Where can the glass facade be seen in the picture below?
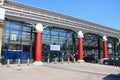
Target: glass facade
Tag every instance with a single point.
(56, 36)
(18, 37)
(113, 47)
(92, 47)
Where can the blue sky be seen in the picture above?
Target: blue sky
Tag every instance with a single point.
(104, 12)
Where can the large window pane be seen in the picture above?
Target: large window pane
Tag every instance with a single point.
(15, 25)
(69, 35)
(26, 38)
(6, 35)
(7, 24)
(62, 34)
(46, 32)
(54, 39)
(54, 32)
(28, 29)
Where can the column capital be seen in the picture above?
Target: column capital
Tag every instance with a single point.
(104, 38)
(39, 27)
(80, 34)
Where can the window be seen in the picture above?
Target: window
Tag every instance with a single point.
(18, 36)
(15, 25)
(26, 38)
(46, 32)
(28, 29)
(60, 37)
(7, 24)
(54, 39)
(62, 34)
(54, 32)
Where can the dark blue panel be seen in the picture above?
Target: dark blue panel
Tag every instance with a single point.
(5, 54)
(11, 55)
(17, 55)
(25, 55)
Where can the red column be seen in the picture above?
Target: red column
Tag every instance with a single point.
(80, 49)
(105, 49)
(38, 51)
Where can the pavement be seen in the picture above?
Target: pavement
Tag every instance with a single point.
(58, 71)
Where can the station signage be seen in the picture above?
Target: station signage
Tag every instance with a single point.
(55, 47)
(14, 37)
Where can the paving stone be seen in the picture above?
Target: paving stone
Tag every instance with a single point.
(71, 71)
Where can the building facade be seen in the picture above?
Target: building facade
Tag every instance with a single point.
(30, 30)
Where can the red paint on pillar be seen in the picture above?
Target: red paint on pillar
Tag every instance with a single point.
(105, 50)
(38, 52)
(80, 49)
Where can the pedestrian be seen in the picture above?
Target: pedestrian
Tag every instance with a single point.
(72, 57)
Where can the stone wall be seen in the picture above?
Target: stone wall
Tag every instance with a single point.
(1, 29)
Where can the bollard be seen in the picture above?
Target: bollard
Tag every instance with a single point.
(117, 62)
(48, 60)
(28, 61)
(8, 63)
(55, 60)
(19, 62)
(62, 61)
(74, 60)
(68, 60)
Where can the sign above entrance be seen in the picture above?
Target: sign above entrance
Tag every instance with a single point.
(2, 14)
(13, 37)
(55, 47)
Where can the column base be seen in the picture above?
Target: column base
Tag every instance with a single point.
(105, 58)
(38, 63)
(80, 61)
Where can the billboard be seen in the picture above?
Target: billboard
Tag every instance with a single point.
(55, 47)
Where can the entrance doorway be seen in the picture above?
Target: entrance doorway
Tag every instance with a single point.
(91, 47)
(67, 40)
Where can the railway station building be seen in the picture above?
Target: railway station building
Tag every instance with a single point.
(40, 33)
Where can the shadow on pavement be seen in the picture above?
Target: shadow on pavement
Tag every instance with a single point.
(112, 77)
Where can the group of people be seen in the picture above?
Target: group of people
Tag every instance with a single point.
(74, 57)
(92, 58)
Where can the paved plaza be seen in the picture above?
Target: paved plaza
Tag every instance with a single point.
(65, 71)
